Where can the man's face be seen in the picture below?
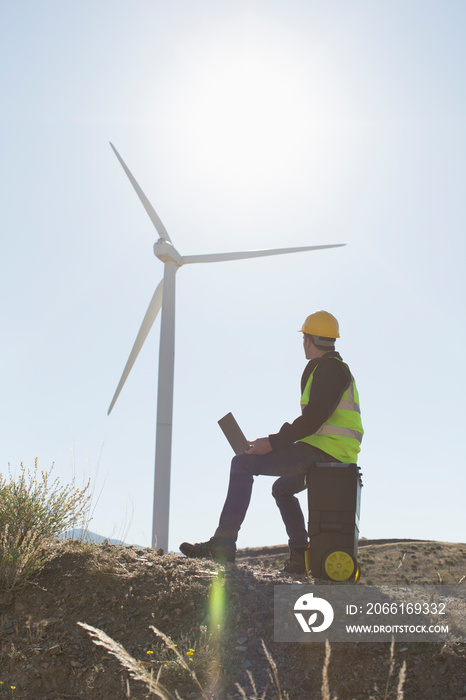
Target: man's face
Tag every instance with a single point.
(307, 345)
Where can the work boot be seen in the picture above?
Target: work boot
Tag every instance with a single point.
(209, 550)
(296, 563)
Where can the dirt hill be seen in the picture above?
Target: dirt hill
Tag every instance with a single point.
(217, 617)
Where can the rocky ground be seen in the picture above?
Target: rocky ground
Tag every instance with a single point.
(217, 617)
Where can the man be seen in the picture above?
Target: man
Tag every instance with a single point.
(329, 429)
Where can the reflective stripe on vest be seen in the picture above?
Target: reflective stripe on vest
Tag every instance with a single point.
(340, 435)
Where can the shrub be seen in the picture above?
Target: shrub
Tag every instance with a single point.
(33, 509)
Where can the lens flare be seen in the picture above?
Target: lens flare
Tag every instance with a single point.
(217, 604)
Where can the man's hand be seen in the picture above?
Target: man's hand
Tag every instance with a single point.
(261, 446)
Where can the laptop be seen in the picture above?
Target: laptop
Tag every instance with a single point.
(233, 433)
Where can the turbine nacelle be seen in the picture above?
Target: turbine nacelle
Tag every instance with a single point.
(166, 252)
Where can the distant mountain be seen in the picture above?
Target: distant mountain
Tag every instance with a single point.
(87, 536)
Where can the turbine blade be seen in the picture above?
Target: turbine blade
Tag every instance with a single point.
(219, 257)
(162, 231)
(151, 314)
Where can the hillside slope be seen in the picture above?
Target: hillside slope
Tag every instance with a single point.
(217, 617)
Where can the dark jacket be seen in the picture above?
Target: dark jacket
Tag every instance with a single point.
(329, 382)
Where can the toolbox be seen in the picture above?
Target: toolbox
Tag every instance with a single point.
(334, 498)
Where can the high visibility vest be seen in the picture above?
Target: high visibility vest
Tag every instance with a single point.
(340, 435)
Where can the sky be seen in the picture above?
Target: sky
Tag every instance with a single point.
(253, 124)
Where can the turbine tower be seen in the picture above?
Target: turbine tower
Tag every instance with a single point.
(164, 299)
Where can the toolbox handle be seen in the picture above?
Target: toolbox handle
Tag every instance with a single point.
(321, 465)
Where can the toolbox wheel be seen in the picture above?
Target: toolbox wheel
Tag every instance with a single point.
(341, 566)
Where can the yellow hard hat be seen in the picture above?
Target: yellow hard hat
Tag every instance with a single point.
(321, 323)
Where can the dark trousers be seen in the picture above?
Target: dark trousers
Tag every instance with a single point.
(290, 465)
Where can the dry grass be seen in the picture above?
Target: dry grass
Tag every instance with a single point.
(33, 509)
(154, 684)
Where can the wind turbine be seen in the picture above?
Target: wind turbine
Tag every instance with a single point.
(164, 298)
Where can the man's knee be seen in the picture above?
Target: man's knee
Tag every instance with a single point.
(277, 489)
(241, 464)
(287, 486)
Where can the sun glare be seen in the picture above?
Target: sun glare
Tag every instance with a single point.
(247, 119)
(254, 114)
